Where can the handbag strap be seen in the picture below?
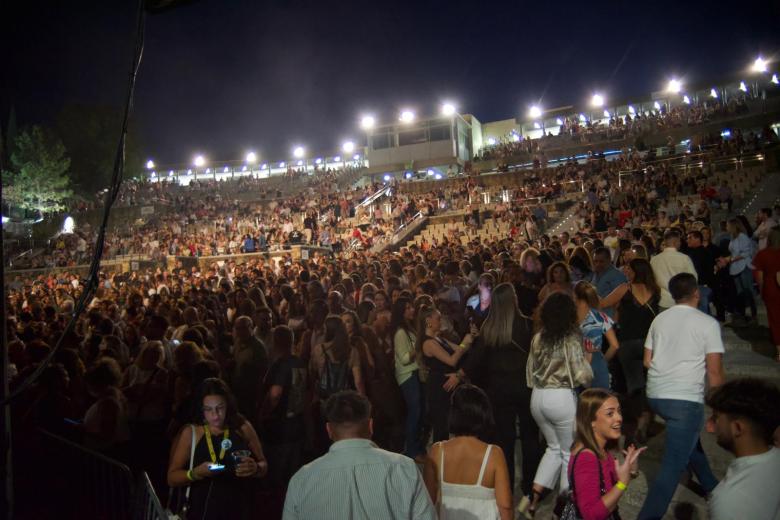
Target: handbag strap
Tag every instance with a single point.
(192, 459)
(568, 364)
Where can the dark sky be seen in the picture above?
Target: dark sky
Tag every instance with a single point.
(225, 76)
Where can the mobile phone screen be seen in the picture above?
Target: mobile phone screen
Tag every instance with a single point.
(216, 467)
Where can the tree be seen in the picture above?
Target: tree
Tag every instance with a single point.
(38, 177)
(91, 134)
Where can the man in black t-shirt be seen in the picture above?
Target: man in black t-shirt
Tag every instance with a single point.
(283, 425)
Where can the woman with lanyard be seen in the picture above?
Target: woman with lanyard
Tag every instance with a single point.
(226, 454)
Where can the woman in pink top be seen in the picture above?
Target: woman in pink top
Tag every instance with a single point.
(597, 480)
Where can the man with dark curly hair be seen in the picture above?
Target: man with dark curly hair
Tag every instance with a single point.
(744, 418)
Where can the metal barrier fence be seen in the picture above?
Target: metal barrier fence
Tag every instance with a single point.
(147, 506)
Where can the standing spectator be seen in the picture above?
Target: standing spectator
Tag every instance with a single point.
(704, 261)
(355, 479)
(558, 280)
(474, 482)
(592, 467)
(668, 263)
(764, 225)
(682, 345)
(595, 326)
(741, 250)
(250, 365)
(407, 373)
(497, 363)
(767, 269)
(556, 367)
(744, 418)
(606, 277)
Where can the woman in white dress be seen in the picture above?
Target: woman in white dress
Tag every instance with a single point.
(467, 478)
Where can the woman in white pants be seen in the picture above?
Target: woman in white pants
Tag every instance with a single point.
(556, 368)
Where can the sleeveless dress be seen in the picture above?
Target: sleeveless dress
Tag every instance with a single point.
(223, 496)
(467, 501)
(438, 399)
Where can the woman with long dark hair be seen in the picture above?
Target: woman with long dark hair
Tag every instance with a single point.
(556, 368)
(407, 373)
(227, 453)
(497, 362)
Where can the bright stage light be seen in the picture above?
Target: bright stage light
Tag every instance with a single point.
(686, 100)
(367, 122)
(407, 116)
(742, 86)
(597, 100)
(251, 157)
(491, 141)
(298, 152)
(447, 109)
(199, 161)
(149, 164)
(68, 226)
(774, 79)
(535, 112)
(674, 86)
(713, 93)
(760, 65)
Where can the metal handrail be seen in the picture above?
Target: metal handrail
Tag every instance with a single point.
(757, 156)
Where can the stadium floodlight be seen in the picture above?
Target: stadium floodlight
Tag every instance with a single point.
(447, 109)
(407, 116)
(583, 118)
(713, 93)
(760, 65)
(281, 164)
(317, 161)
(559, 121)
(149, 164)
(657, 105)
(408, 175)
(298, 152)
(631, 109)
(597, 101)
(367, 122)
(251, 157)
(607, 114)
(515, 138)
(387, 177)
(199, 161)
(348, 147)
(170, 173)
(742, 86)
(491, 141)
(537, 125)
(535, 112)
(356, 157)
(243, 168)
(686, 100)
(437, 176)
(674, 86)
(225, 169)
(263, 166)
(337, 158)
(774, 79)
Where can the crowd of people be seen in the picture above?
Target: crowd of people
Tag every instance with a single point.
(309, 388)
(580, 129)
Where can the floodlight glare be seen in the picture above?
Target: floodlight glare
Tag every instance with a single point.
(515, 138)
(631, 109)
(251, 157)
(657, 105)
(356, 157)
(674, 86)
(170, 173)
(559, 121)
(317, 161)
(535, 112)
(437, 176)
(742, 86)
(281, 164)
(68, 226)
(348, 146)
(447, 109)
(298, 152)
(337, 158)
(774, 79)
(491, 141)
(431, 172)
(597, 100)
(225, 169)
(263, 166)
(299, 163)
(537, 125)
(367, 122)
(189, 172)
(713, 93)
(199, 160)
(408, 175)
(243, 168)
(387, 177)
(686, 100)
(760, 65)
(606, 114)
(583, 118)
(149, 164)
(407, 116)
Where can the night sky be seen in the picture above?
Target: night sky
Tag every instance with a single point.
(224, 76)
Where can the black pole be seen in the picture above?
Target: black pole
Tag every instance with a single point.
(5, 415)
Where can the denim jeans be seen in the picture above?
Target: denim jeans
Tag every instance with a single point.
(705, 296)
(682, 448)
(598, 364)
(412, 391)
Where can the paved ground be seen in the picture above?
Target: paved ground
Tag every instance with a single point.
(749, 352)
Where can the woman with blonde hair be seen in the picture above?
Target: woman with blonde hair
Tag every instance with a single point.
(496, 363)
(599, 424)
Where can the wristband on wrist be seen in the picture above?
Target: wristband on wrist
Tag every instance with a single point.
(621, 485)
(190, 476)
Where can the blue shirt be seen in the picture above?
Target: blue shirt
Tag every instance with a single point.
(607, 282)
(356, 479)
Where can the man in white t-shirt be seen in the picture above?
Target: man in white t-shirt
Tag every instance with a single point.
(683, 347)
(744, 417)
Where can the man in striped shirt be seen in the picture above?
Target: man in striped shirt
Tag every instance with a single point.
(356, 479)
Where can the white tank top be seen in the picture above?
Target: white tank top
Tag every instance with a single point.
(467, 501)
